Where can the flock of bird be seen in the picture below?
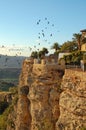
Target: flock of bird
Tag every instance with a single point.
(43, 36)
(46, 33)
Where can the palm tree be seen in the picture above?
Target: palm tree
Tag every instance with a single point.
(77, 38)
(56, 46)
(69, 46)
(34, 54)
(43, 52)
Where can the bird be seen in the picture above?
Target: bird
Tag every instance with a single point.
(48, 22)
(37, 23)
(43, 34)
(51, 35)
(39, 20)
(42, 30)
(3, 46)
(34, 46)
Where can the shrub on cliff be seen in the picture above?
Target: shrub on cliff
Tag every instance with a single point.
(5, 119)
(3, 106)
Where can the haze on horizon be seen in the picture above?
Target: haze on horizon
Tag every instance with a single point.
(28, 25)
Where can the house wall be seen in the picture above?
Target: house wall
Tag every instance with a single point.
(83, 47)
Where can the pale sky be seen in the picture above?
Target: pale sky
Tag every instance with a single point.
(26, 23)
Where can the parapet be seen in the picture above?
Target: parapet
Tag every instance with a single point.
(45, 61)
(49, 63)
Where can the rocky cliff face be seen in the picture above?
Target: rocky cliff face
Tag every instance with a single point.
(43, 105)
(23, 111)
(72, 101)
(38, 109)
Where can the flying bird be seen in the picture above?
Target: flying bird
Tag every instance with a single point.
(48, 22)
(51, 35)
(39, 20)
(43, 34)
(42, 30)
(37, 23)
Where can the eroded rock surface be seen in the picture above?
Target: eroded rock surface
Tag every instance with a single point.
(43, 105)
(72, 101)
(39, 109)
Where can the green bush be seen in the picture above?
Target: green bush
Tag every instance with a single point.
(4, 121)
(3, 106)
(74, 58)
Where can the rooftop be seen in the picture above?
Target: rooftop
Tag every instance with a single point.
(84, 30)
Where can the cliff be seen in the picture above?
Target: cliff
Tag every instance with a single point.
(39, 108)
(50, 101)
(72, 101)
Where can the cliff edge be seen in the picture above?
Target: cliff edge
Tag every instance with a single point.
(50, 101)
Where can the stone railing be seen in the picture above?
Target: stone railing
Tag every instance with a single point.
(44, 61)
(47, 64)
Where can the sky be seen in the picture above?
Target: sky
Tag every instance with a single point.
(30, 25)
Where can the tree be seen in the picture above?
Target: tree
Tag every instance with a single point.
(74, 57)
(34, 54)
(55, 46)
(43, 52)
(69, 46)
(77, 39)
(40, 54)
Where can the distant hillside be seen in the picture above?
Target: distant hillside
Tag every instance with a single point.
(10, 68)
(4, 86)
(9, 77)
(11, 61)
(9, 73)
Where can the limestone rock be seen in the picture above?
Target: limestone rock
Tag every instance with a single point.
(72, 101)
(38, 109)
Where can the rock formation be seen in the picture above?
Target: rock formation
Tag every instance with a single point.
(38, 110)
(23, 113)
(72, 101)
(48, 102)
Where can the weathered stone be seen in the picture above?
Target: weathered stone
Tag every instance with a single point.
(23, 114)
(24, 90)
(43, 82)
(41, 109)
(72, 101)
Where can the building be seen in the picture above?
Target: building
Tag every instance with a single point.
(83, 47)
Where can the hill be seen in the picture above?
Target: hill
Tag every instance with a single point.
(11, 61)
(10, 67)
